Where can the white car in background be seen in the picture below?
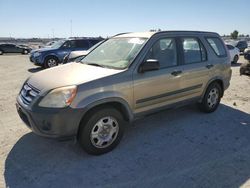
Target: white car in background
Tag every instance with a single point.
(234, 53)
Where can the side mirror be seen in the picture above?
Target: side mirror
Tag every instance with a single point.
(149, 65)
(78, 59)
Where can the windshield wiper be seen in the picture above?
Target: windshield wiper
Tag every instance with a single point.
(103, 66)
(94, 64)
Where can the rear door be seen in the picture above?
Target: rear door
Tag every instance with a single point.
(194, 67)
(17, 49)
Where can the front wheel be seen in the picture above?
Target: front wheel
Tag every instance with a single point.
(50, 62)
(102, 131)
(211, 99)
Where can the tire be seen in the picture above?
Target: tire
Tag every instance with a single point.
(25, 52)
(50, 62)
(211, 99)
(102, 131)
(1, 52)
(236, 58)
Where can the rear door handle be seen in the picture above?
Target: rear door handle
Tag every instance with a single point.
(176, 73)
(209, 66)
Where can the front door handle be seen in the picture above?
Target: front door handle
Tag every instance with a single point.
(176, 73)
(209, 66)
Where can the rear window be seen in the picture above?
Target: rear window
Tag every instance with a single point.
(217, 46)
(242, 44)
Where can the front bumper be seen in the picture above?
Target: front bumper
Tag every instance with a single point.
(49, 122)
(36, 60)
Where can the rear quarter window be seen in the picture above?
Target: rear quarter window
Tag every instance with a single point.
(217, 46)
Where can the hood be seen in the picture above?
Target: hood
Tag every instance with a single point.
(43, 49)
(68, 74)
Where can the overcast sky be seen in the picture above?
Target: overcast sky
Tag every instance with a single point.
(45, 18)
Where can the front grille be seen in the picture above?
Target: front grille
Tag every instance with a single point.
(28, 93)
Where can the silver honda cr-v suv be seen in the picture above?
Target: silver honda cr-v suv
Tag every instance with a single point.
(127, 76)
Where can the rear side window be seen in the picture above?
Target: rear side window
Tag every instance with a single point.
(82, 44)
(93, 42)
(193, 50)
(217, 46)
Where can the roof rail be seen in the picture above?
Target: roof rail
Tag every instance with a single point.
(121, 34)
(185, 31)
(85, 37)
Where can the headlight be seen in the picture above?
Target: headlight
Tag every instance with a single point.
(59, 98)
(36, 54)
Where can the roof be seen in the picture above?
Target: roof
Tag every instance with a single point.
(149, 34)
(138, 34)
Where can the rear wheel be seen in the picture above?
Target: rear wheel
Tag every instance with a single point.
(25, 52)
(102, 131)
(50, 62)
(236, 58)
(211, 99)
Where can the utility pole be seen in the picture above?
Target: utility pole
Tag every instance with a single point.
(53, 34)
(70, 28)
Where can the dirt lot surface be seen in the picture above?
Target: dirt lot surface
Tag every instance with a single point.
(174, 148)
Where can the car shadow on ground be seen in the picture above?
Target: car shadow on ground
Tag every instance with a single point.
(174, 148)
(36, 69)
(238, 64)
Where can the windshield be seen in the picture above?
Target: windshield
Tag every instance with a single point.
(115, 53)
(57, 44)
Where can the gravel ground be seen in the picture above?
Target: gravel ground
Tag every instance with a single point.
(174, 148)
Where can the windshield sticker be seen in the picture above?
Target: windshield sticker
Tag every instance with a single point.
(136, 41)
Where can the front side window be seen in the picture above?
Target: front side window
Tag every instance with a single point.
(69, 44)
(164, 50)
(193, 50)
(58, 44)
(115, 53)
(217, 46)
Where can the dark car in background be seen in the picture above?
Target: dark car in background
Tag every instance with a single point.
(50, 57)
(13, 48)
(247, 53)
(78, 55)
(242, 45)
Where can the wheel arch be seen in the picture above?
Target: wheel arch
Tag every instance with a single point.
(117, 103)
(50, 55)
(215, 80)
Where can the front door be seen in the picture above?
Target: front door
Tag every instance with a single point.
(154, 89)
